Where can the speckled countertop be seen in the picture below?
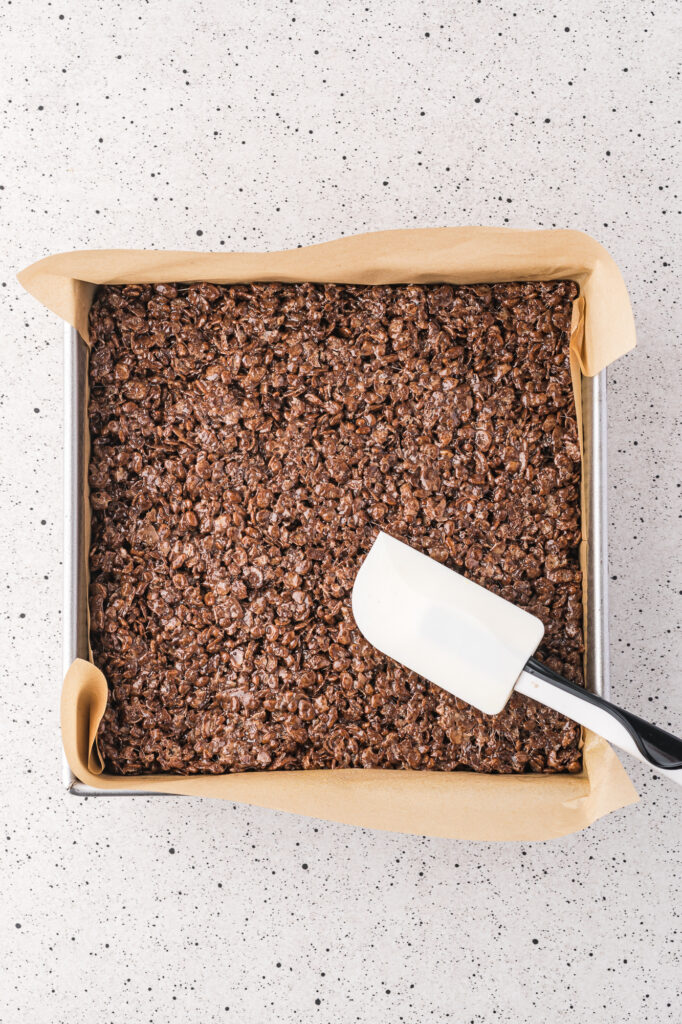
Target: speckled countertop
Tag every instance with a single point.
(251, 125)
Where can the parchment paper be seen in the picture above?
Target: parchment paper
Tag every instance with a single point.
(465, 805)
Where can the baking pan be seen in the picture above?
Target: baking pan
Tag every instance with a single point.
(76, 551)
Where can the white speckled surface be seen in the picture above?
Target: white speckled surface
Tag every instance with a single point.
(265, 125)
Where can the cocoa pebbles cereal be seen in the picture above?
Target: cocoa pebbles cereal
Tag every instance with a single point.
(249, 442)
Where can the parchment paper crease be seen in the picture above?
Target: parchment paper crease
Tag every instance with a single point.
(465, 805)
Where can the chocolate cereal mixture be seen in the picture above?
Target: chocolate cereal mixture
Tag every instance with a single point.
(248, 442)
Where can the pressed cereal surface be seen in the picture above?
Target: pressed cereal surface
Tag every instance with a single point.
(248, 442)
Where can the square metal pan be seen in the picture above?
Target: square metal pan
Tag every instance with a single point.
(75, 642)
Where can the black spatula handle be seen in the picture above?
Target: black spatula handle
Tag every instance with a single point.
(659, 748)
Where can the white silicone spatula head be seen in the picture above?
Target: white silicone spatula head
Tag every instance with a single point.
(441, 625)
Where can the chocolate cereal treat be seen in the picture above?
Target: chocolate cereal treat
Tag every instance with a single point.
(248, 443)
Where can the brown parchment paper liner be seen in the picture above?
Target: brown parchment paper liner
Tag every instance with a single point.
(464, 804)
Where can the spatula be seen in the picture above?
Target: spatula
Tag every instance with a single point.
(479, 647)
